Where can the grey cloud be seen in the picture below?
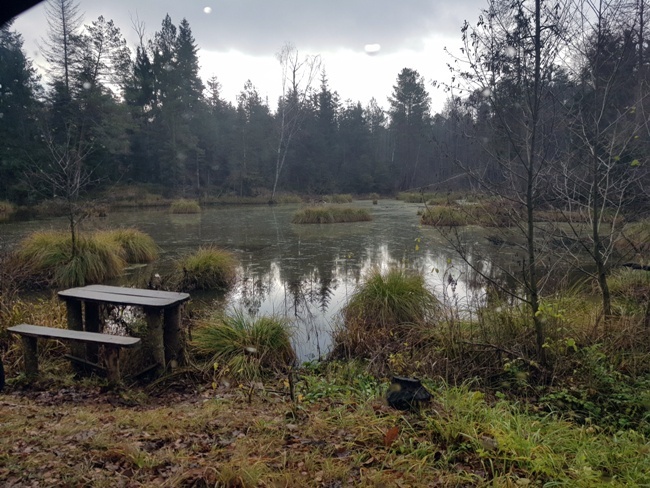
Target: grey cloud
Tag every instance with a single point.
(261, 27)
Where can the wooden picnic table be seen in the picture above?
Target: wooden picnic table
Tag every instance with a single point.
(162, 310)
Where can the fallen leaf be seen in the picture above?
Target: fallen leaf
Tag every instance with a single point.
(390, 436)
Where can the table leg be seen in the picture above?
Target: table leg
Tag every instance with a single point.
(173, 336)
(75, 322)
(155, 336)
(91, 312)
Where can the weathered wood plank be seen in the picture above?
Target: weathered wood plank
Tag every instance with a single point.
(74, 335)
(116, 299)
(141, 292)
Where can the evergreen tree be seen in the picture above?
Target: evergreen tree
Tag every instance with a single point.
(18, 86)
(409, 126)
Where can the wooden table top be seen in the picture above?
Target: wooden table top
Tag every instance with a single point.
(125, 296)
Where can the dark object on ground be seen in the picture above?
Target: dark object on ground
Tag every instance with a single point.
(406, 393)
(636, 266)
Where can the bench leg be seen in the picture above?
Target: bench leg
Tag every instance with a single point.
(174, 354)
(30, 354)
(155, 337)
(113, 365)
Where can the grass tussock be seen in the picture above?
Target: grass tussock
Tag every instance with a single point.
(338, 198)
(184, 206)
(330, 215)
(137, 247)
(49, 254)
(209, 268)
(387, 310)
(245, 348)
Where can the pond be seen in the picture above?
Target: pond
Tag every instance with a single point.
(304, 272)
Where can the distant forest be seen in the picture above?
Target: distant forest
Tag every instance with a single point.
(546, 94)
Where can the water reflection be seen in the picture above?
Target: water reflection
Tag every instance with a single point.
(307, 272)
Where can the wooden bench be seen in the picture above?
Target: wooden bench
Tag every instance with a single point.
(112, 344)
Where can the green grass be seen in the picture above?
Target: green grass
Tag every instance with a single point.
(137, 247)
(330, 215)
(385, 311)
(184, 206)
(245, 348)
(49, 253)
(207, 269)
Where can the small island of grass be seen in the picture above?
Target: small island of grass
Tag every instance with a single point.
(330, 215)
(184, 206)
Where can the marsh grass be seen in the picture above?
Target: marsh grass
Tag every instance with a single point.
(330, 215)
(630, 290)
(245, 348)
(264, 198)
(338, 198)
(49, 253)
(184, 206)
(386, 311)
(635, 239)
(208, 268)
(137, 247)
(486, 213)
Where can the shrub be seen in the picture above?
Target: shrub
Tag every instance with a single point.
(137, 247)
(49, 254)
(183, 206)
(208, 268)
(383, 312)
(244, 348)
(330, 215)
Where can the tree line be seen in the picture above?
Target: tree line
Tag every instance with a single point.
(107, 112)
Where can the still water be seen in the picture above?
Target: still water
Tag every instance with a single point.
(304, 272)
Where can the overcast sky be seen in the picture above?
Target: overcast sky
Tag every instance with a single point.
(238, 38)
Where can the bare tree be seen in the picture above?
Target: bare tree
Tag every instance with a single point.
(298, 75)
(65, 175)
(598, 174)
(508, 73)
